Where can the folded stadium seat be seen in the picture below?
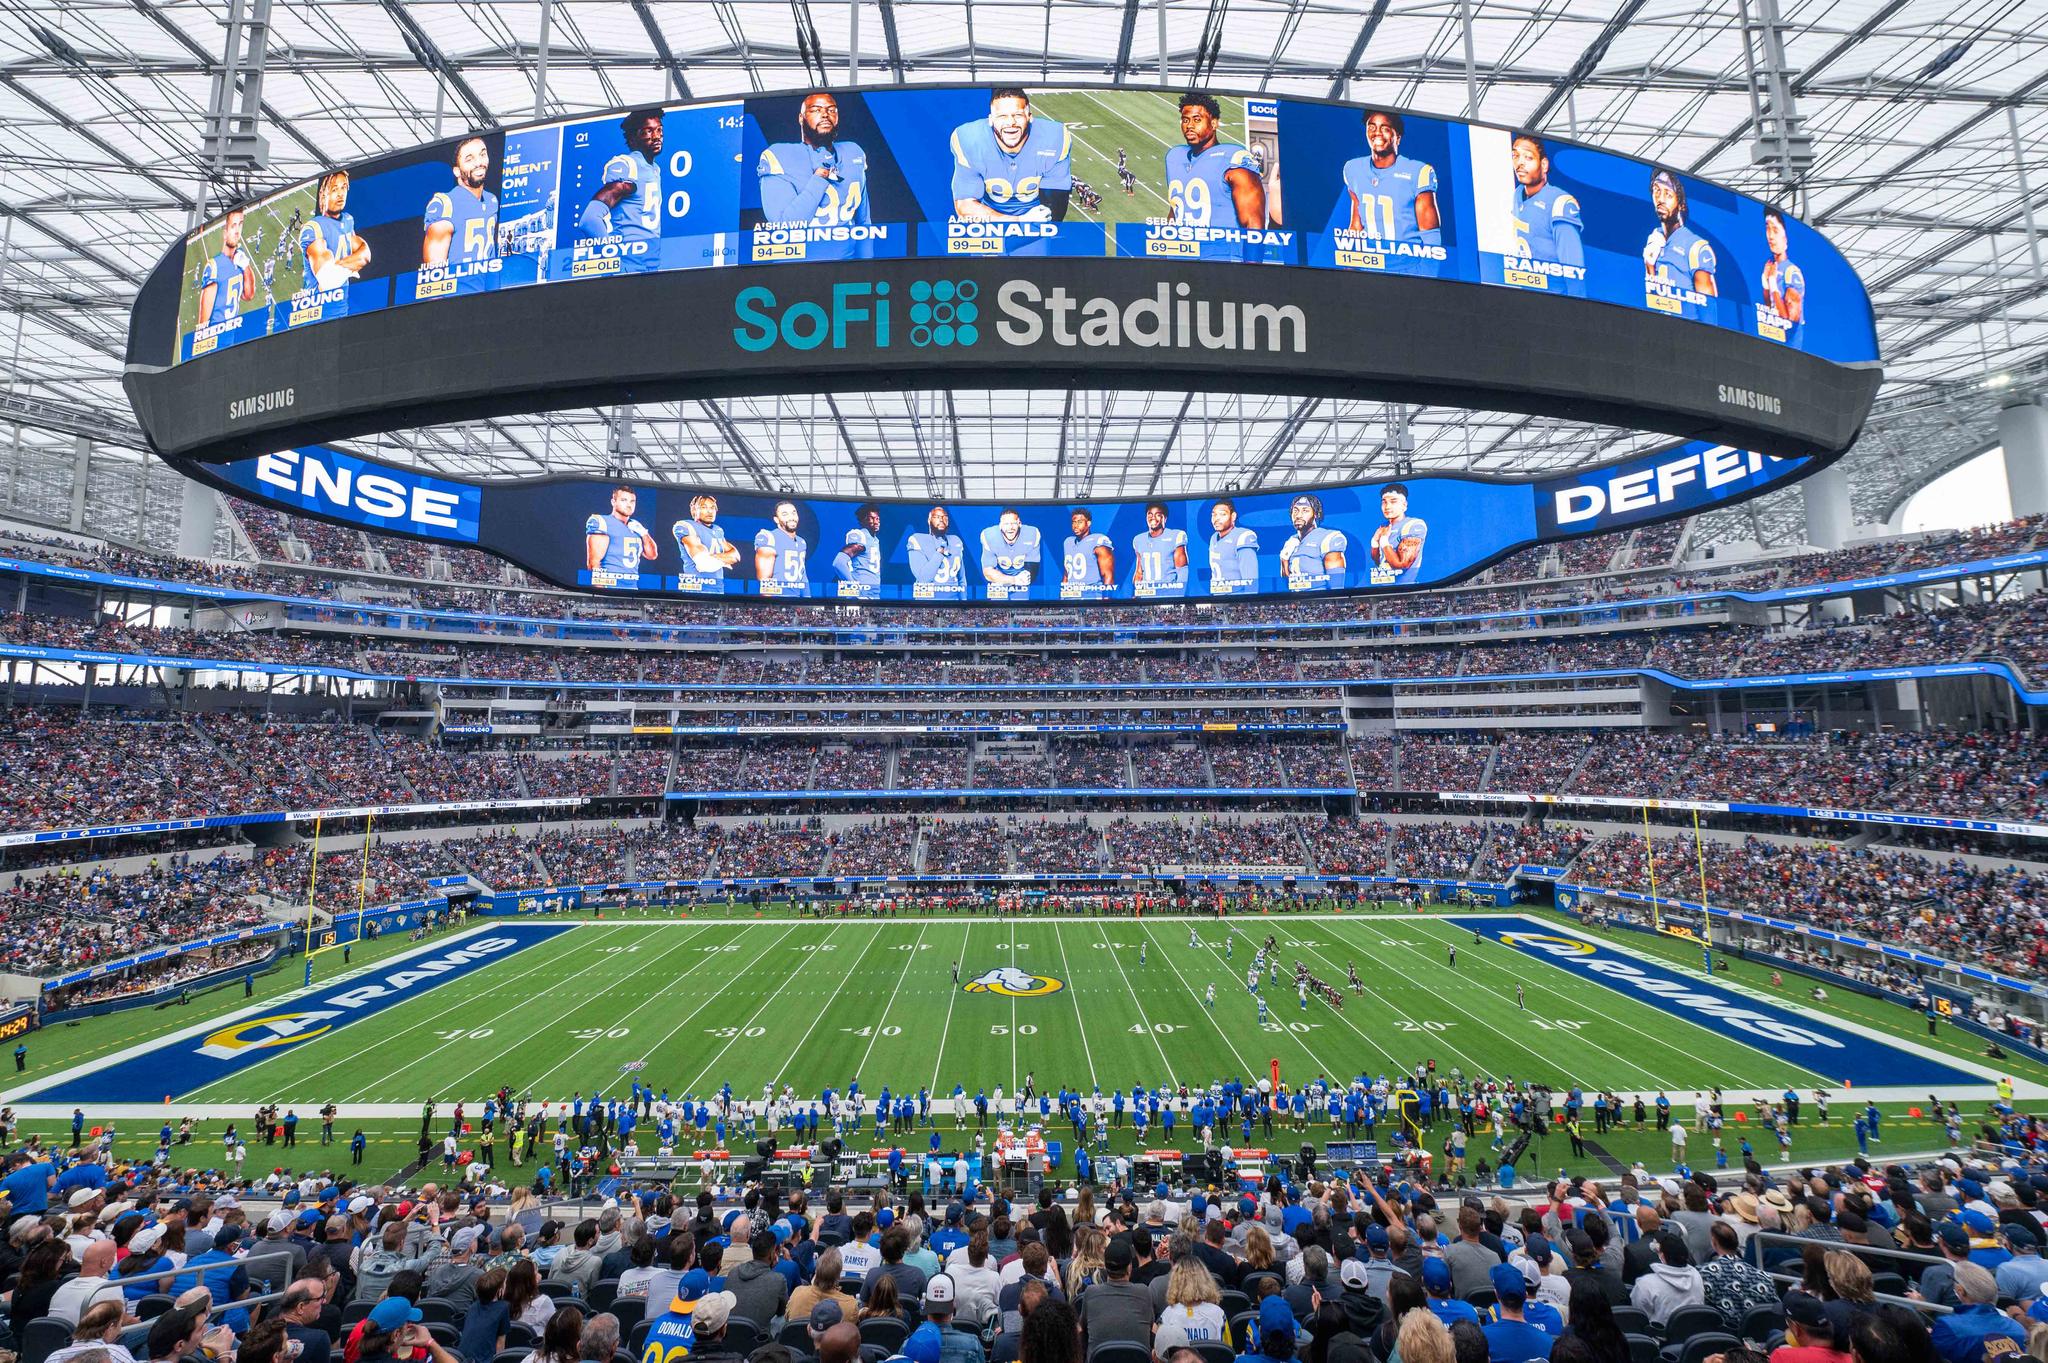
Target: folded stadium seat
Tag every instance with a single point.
(155, 1304)
(602, 1293)
(630, 1311)
(1763, 1323)
(1482, 1300)
(1241, 1327)
(873, 1353)
(1688, 1321)
(440, 1309)
(1641, 1348)
(1888, 1284)
(742, 1336)
(635, 1337)
(1215, 1351)
(1633, 1320)
(1234, 1303)
(1119, 1351)
(1699, 1348)
(561, 1291)
(887, 1331)
(1249, 1284)
(445, 1334)
(796, 1335)
(523, 1335)
(43, 1336)
(509, 1355)
(360, 1310)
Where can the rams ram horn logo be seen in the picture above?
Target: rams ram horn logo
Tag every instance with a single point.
(1015, 983)
(279, 1029)
(1547, 943)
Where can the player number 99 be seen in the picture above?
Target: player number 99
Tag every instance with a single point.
(1003, 191)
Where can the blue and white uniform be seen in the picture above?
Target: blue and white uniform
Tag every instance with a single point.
(1010, 557)
(1674, 259)
(938, 563)
(635, 221)
(474, 218)
(693, 539)
(224, 272)
(1385, 200)
(1389, 537)
(1781, 277)
(793, 191)
(1548, 226)
(1007, 182)
(863, 570)
(1155, 557)
(622, 547)
(1233, 558)
(1078, 557)
(1302, 557)
(791, 552)
(337, 235)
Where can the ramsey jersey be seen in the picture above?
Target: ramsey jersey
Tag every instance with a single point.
(622, 551)
(338, 236)
(790, 552)
(1388, 538)
(1234, 555)
(224, 272)
(1198, 184)
(693, 540)
(1384, 197)
(475, 220)
(1009, 182)
(1548, 226)
(937, 560)
(1078, 555)
(793, 191)
(1155, 555)
(1303, 555)
(1010, 557)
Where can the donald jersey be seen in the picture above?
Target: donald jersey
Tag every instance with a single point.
(1384, 200)
(793, 191)
(1234, 557)
(1388, 538)
(1007, 557)
(622, 542)
(635, 221)
(1781, 277)
(1674, 259)
(1303, 557)
(1158, 568)
(936, 563)
(696, 545)
(224, 273)
(474, 219)
(1010, 183)
(1548, 227)
(338, 236)
(1079, 559)
(790, 554)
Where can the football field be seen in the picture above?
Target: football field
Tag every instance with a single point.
(1145, 125)
(554, 1008)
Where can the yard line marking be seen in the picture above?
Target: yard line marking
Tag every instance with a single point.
(1168, 954)
(541, 964)
(741, 1030)
(504, 1050)
(909, 957)
(1392, 1059)
(1400, 1066)
(1104, 928)
(1067, 967)
(1013, 1008)
(947, 1030)
(844, 976)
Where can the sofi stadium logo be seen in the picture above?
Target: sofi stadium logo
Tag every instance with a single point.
(1011, 982)
(950, 313)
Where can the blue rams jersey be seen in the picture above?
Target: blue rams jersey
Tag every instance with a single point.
(1010, 182)
(1780, 278)
(623, 549)
(867, 564)
(1155, 555)
(1234, 555)
(1303, 555)
(1078, 555)
(1010, 556)
(793, 191)
(224, 272)
(937, 560)
(693, 539)
(1389, 537)
(790, 552)
(1675, 258)
(637, 217)
(337, 235)
(1384, 198)
(1198, 186)
(474, 218)
(1538, 217)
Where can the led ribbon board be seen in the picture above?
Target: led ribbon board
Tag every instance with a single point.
(971, 236)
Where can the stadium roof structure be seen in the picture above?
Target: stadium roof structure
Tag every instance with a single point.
(1927, 128)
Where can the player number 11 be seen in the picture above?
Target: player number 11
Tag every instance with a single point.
(1376, 215)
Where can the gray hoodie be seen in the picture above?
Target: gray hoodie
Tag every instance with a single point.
(578, 1266)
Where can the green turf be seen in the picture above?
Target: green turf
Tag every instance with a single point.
(269, 237)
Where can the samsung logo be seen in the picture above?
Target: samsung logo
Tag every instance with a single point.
(275, 400)
(1751, 399)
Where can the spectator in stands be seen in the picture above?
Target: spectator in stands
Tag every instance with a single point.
(759, 1292)
(1976, 1331)
(1422, 1338)
(1194, 1305)
(1591, 1323)
(714, 1310)
(580, 1264)
(305, 1301)
(1731, 1284)
(1114, 1307)
(99, 1328)
(1510, 1338)
(1809, 1332)
(1672, 1281)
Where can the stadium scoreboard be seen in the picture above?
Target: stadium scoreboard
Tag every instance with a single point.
(1010, 238)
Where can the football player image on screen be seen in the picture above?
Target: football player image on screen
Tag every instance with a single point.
(938, 558)
(1210, 182)
(335, 252)
(1012, 164)
(1010, 552)
(1088, 561)
(1391, 197)
(1397, 545)
(1161, 555)
(1548, 228)
(701, 542)
(627, 207)
(614, 544)
(816, 178)
(1233, 550)
(858, 563)
(1677, 261)
(1314, 551)
(1783, 312)
(228, 279)
(461, 224)
(780, 554)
